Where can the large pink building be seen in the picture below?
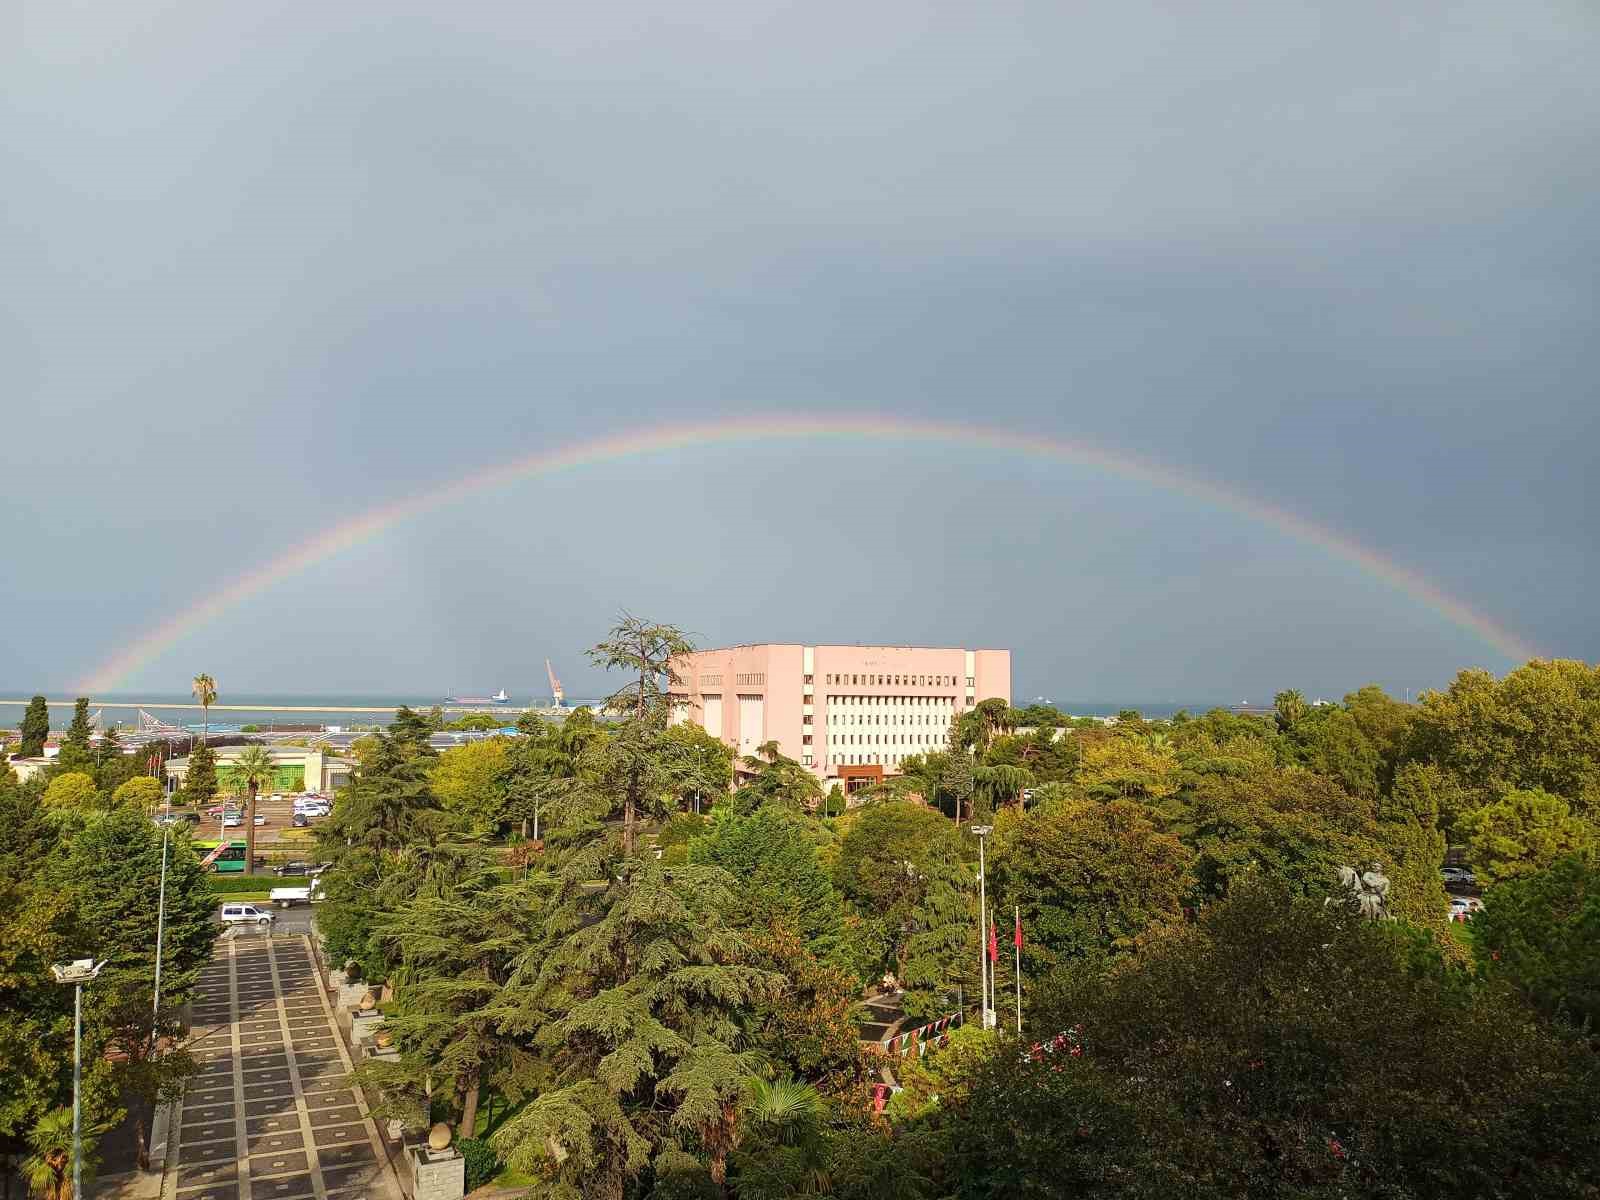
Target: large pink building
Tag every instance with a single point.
(846, 712)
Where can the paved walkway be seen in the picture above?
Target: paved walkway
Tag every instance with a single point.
(270, 1116)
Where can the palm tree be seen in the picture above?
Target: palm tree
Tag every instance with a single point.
(48, 1169)
(788, 1112)
(205, 690)
(253, 767)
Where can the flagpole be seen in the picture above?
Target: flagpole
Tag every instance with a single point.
(1018, 943)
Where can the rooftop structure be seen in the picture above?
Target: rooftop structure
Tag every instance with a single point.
(294, 769)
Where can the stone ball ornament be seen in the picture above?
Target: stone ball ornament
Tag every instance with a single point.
(439, 1136)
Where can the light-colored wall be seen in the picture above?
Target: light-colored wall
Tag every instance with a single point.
(895, 682)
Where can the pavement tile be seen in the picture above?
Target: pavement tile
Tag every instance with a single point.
(333, 1116)
(207, 1113)
(216, 1172)
(345, 1156)
(281, 1187)
(253, 1077)
(333, 1099)
(206, 1152)
(269, 1143)
(277, 1164)
(194, 1132)
(340, 1178)
(339, 1135)
(218, 1191)
(281, 1123)
(269, 1106)
(265, 1091)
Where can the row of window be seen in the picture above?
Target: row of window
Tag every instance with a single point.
(751, 679)
(894, 680)
(883, 739)
(850, 718)
(711, 681)
(893, 701)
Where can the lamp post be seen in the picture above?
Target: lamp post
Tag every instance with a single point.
(982, 831)
(78, 972)
(161, 923)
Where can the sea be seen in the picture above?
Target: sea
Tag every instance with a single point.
(346, 710)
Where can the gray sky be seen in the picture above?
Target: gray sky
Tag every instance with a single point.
(267, 265)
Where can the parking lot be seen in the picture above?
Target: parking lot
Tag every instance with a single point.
(270, 1113)
(270, 837)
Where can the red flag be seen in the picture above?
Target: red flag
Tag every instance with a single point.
(1017, 938)
(994, 944)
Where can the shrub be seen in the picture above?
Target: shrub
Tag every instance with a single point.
(225, 884)
(483, 1164)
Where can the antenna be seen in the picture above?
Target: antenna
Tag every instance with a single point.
(555, 684)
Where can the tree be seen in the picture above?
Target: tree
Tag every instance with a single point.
(469, 781)
(454, 952)
(1290, 708)
(1090, 879)
(48, 1166)
(1281, 1047)
(1540, 933)
(634, 1011)
(76, 752)
(1523, 832)
(200, 780)
(903, 869)
(776, 779)
(1414, 846)
(74, 791)
(205, 691)
(645, 650)
(1128, 767)
(1335, 747)
(783, 1151)
(715, 756)
(770, 856)
(142, 793)
(1538, 729)
(35, 728)
(252, 768)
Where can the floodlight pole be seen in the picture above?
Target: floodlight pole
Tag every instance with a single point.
(983, 948)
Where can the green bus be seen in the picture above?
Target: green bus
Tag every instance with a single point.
(227, 858)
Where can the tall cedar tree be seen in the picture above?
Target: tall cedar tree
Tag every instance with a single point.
(645, 650)
(35, 728)
(637, 1009)
(200, 781)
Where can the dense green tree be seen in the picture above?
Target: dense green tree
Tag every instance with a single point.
(771, 855)
(142, 794)
(635, 1011)
(638, 765)
(710, 783)
(1414, 846)
(35, 728)
(200, 780)
(1331, 744)
(470, 782)
(1281, 1047)
(1091, 879)
(1540, 933)
(1386, 724)
(1290, 708)
(903, 867)
(773, 778)
(73, 791)
(1128, 766)
(1523, 832)
(77, 752)
(1538, 729)
(453, 952)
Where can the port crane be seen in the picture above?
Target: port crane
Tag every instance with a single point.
(555, 685)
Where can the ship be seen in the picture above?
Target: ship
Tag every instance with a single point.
(499, 697)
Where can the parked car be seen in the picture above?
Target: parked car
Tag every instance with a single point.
(178, 818)
(297, 866)
(300, 821)
(261, 819)
(1458, 875)
(232, 818)
(246, 914)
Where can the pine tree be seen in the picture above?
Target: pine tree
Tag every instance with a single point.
(200, 783)
(634, 1014)
(35, 728)
(76, 753)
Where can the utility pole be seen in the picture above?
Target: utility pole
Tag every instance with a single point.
(1016, 941)
(984, 974)
(78, 972)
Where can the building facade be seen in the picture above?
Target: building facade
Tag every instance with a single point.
(851, 713)
(294, 769)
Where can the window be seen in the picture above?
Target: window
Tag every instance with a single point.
(805, 719)
(969, 681)
(805, 740)
(807, 679)
(750, 679)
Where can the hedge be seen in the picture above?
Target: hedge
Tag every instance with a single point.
(482, 1164)
(254, 883)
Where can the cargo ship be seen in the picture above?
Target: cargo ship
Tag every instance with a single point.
(499, 697)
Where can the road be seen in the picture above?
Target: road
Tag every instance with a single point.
(270, 1115)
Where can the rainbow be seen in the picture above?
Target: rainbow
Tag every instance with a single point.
(663, 440)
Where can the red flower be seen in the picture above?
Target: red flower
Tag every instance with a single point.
(1336, 1149)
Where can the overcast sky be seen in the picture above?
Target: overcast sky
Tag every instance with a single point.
(263, 266)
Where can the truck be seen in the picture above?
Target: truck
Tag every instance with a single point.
(283, 897)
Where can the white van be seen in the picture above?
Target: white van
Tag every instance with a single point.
(245, 914)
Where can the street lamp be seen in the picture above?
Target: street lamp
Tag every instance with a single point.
(984, 1020)
(77, 972)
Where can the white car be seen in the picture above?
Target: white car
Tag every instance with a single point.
(232, 818)
(261, 819)
(246, 914)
